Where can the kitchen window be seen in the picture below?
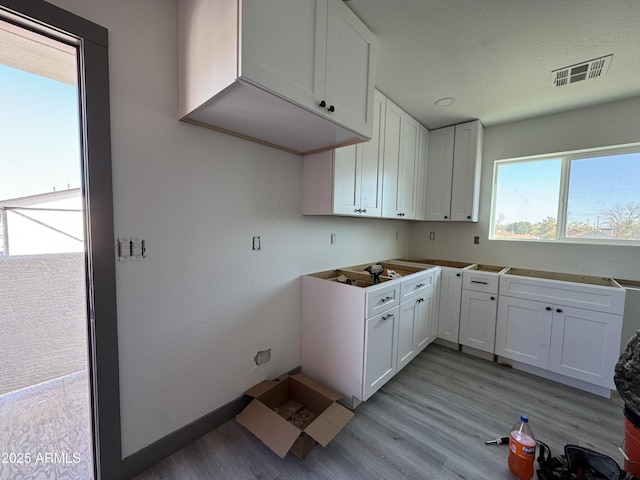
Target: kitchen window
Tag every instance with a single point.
(579, 197)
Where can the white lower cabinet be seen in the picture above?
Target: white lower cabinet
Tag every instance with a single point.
(478, 320)
(479, 306)
(417, 327)
(354, 338)
(450, 293)
(523, 331)
(381, 333)
(585, 344)
(569, 328)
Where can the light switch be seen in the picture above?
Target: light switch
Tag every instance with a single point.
(138, 248)
(124, 249)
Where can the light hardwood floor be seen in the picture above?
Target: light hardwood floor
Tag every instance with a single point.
(429, 422)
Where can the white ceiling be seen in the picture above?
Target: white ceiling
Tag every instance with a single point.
(495, 57)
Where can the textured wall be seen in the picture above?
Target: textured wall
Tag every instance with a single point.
(42, 319)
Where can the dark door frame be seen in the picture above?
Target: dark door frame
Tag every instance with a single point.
(93, 68)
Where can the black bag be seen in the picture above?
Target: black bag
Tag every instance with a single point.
(578, 463)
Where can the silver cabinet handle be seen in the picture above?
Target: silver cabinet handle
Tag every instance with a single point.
(478, 281)
(420, 285)
(386, 299)
(387, 317)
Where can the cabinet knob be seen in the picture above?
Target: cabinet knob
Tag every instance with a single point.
(357, 210)
(331, 109)
(548, 309)
(420, 300)
(323, 104)
(493, 298)
(559, 310)
(469, 216)
(457, 274)
(364, 210)
(446, 216)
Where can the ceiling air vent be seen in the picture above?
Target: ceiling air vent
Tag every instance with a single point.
(591, 69)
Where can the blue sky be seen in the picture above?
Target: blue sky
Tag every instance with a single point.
(593, 190)
(529, 190)
(39, 134)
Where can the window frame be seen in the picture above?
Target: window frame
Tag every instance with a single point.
(566, 159)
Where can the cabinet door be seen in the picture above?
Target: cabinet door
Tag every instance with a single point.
(422, 173)
(380, 350)
(409, 163)
(478, 320)
(391, 160)
(449, 304)
(350, 69)
(523, 331)
(426, 328)
(585, 344)
(465, 183)
(439, 174)
(372, 154)
(284, 48)
(347, 162)
(407, 331)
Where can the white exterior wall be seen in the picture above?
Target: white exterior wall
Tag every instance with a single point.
(192, 316)
(40, 233)
(42, 319)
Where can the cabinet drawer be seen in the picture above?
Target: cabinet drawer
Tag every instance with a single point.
(486, 282)
(416, 285)
(383, 298)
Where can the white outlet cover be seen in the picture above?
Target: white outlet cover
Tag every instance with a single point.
(137, 251)
(124, 249)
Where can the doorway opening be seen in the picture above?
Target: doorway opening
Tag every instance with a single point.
(45, 408)
(59, 394)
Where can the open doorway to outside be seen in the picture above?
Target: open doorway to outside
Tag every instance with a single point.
(59, 395)
(45, 419)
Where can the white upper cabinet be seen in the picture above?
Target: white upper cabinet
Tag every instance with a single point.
(401, 163)
(453, 173)
(409, 167)
(439, 172)
(371, 172)
(285, 53)
(350, 69)
(392, 155)
(467, 162)
(296, 74)
(422, 173)
(347, 180)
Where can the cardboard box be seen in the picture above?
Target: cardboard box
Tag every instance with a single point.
(294, 413)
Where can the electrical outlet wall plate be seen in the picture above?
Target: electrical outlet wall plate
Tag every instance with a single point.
(124, 249)
(138, 248)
